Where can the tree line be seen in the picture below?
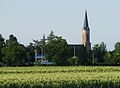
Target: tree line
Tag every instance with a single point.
(56, 50)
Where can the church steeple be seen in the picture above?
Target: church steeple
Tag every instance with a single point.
(86, 33)
(85, 20)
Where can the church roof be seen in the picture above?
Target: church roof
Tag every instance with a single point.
(85, 25)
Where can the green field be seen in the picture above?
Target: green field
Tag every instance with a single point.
(60, 77)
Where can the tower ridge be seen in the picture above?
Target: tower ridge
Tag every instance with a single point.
(86, 33)
(85, 20)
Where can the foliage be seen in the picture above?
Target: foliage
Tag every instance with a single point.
(1, 64)
(113, 58)
(99, 51)
(56, 49)
(74, 61)
(14, 53)
(2, 42)
(85, 57)
(116, 55)
(30, 54)
(109, 58)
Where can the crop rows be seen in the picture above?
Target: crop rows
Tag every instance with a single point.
(60, 77)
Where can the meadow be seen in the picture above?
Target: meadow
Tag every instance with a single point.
(60, 77)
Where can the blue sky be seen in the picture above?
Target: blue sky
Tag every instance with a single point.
(30, 19)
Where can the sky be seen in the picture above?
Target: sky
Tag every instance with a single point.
(30, 19)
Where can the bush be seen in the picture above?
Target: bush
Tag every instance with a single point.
(1, 64)
(73, 61)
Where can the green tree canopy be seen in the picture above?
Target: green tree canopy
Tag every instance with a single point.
(14, 53)
(2, 43)
(56, 49)
(99, 51)
(116, 55)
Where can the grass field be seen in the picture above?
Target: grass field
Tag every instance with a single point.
(60, 77)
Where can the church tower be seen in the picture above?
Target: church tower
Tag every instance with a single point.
(86, 33)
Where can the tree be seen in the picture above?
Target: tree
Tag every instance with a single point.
(103, 51)
(38, 44)
(113, 57)
(30, 54)
(40, 47)
(116, 54)
(109, 58)
(51, 36)
(14, 53)
(99, 51)
(85, 56)
(1, 45)
(56, 49)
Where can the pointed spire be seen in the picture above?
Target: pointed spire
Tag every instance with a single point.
(44, 37)
(43, 40)
(85, 20)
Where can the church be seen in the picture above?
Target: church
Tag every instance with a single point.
(76, 48)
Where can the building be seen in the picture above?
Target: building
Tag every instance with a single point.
(77, 48)
(86, 33)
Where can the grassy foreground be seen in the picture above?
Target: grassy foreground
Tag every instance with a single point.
(60, 77)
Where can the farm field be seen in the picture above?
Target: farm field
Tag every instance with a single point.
(60, 77)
